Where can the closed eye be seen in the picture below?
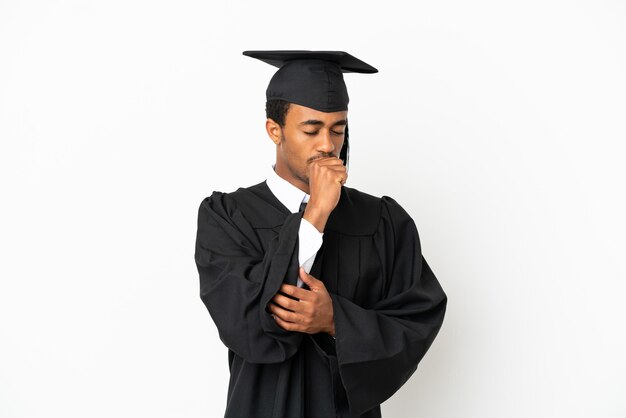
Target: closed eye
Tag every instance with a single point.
(315, 133)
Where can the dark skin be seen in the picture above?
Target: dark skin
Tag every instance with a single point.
(307, 156)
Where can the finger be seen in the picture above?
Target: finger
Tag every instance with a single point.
(330, 170)
(343, 177)
(335, 168)
(339, 177)
(326, 158)
(289, 326)
(288, 290)
(329, 161)
(281, 291)
(286, 302)
(326, 169)
(339, 172)
(295, 291)
(283, 314)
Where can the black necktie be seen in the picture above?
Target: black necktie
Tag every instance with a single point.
(302, 206)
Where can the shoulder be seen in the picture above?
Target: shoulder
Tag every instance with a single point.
(218, 202)
(370, 203)
(357, 197)
(394, 210)
(230, 198)
(361, 213)
(253, 203)
(221, 203)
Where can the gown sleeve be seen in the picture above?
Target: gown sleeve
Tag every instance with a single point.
(378, 349)
(238, 278)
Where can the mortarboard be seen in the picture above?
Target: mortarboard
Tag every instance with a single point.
(312, 79)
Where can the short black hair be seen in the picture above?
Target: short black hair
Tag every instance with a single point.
(276, 109)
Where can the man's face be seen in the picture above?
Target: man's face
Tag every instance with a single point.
(308, 135)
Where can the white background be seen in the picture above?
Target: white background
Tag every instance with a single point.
(499, 126)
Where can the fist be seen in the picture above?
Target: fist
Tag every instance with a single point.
(326, 176)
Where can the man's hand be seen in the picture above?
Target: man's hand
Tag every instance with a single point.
(326, 176)
(310, 312)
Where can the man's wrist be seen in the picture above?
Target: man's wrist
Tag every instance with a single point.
(316, 217)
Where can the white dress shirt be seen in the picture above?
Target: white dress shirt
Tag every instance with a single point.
(309, 238)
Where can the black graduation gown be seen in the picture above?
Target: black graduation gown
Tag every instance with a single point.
(388, 306)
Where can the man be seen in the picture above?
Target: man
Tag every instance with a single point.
(319, 291)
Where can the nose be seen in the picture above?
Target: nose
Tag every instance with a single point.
(325, 144)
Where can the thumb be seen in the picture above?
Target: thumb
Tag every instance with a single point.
(306, 277)
(310, 281)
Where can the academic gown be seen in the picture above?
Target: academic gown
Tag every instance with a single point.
(388, 306)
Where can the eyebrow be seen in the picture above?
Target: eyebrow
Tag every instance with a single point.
(319, 122)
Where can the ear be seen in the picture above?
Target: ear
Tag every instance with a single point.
(273, 130)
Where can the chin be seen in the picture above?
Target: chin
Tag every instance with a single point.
(304, 178)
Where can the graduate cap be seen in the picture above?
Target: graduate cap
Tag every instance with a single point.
(311, 78)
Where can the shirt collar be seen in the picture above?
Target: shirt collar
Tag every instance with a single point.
(288, 194)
